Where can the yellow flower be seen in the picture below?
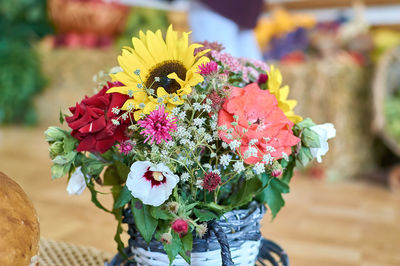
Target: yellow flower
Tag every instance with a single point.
(158, 71)
(281, 94)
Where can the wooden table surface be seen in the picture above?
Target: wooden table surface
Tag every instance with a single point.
(322, 223)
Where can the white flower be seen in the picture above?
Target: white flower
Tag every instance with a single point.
(185, 177)
(225, 159)
(238, 167)
(259, 168)
(77, 182)
(152, 184)
(199, 121)
(325, 131)
(235, 144)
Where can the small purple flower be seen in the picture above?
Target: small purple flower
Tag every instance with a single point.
(157, 126)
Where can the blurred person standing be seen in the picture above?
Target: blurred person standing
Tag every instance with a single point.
(229, 22)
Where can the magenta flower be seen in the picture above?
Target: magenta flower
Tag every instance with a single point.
(125, 147)
(157, 126)
(211, 181)
(209, 68)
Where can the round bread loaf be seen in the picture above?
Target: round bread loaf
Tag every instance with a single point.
(19, 225)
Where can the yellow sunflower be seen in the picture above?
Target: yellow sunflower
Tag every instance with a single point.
(281, 94)
(158, 72)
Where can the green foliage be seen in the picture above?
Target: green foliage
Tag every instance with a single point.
(21, 21)
(144, 222)
(272, 194)
(142, 19)
(204, 215)
(123, 198)
(392, 115)
(173, 248)
(187, 244)
(61, 150)
(20, 80)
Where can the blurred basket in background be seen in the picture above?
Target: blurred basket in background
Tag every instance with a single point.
(93, 18)
(336, 89)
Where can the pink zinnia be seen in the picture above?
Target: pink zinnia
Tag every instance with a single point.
(157, 126)
(211, 181)
(209, 68)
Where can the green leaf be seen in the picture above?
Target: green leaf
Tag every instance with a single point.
(117, 236)
(122, 170)
(288, 170)
(187, 245)
(159, 213)
(69, 143)
(304, 156)
(272, 195)
(173, 248)
(310, 138)
(54, 133)
(204, 215)
(61, 117)
(219, 209)
(306, 123)
(58, 170)
(144, 222)
(247, 192)
(64, 159)
(124, 197)
(92, 167)
(111, 177)
(94, 199)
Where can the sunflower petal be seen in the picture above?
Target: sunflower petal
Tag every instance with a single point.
(142, 51)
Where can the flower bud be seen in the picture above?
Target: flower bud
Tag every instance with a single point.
(54, 134)
(201, 230)
(166, 238)
(56, 148)
(276, 169)
(173, 207)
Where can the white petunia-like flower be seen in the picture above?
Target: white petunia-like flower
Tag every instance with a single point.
(152, 184)
(77, 182)
(325, 131)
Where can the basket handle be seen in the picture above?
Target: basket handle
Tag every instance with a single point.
(223, 242)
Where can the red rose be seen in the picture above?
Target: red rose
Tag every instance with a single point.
(91, 121)
(180, 226)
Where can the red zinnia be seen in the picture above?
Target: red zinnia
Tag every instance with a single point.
(180, 226)
(91, 120)
(211, 181)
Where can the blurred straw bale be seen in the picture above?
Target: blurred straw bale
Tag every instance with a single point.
(70, 77)
(335, 89)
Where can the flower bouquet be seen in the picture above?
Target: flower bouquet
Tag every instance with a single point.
(192, 143)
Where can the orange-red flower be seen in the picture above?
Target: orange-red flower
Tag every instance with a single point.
(260, 124)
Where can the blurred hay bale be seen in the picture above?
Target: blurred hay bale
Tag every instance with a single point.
(70, 74)
(336, 90)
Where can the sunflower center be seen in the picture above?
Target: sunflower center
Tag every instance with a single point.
(162, 70)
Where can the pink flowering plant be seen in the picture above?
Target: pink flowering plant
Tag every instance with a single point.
(181, 134)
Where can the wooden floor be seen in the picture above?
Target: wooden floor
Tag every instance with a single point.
(321, 224)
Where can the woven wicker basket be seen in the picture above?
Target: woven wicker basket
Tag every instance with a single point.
(235, 239)
(385, 79)
(100, 18)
